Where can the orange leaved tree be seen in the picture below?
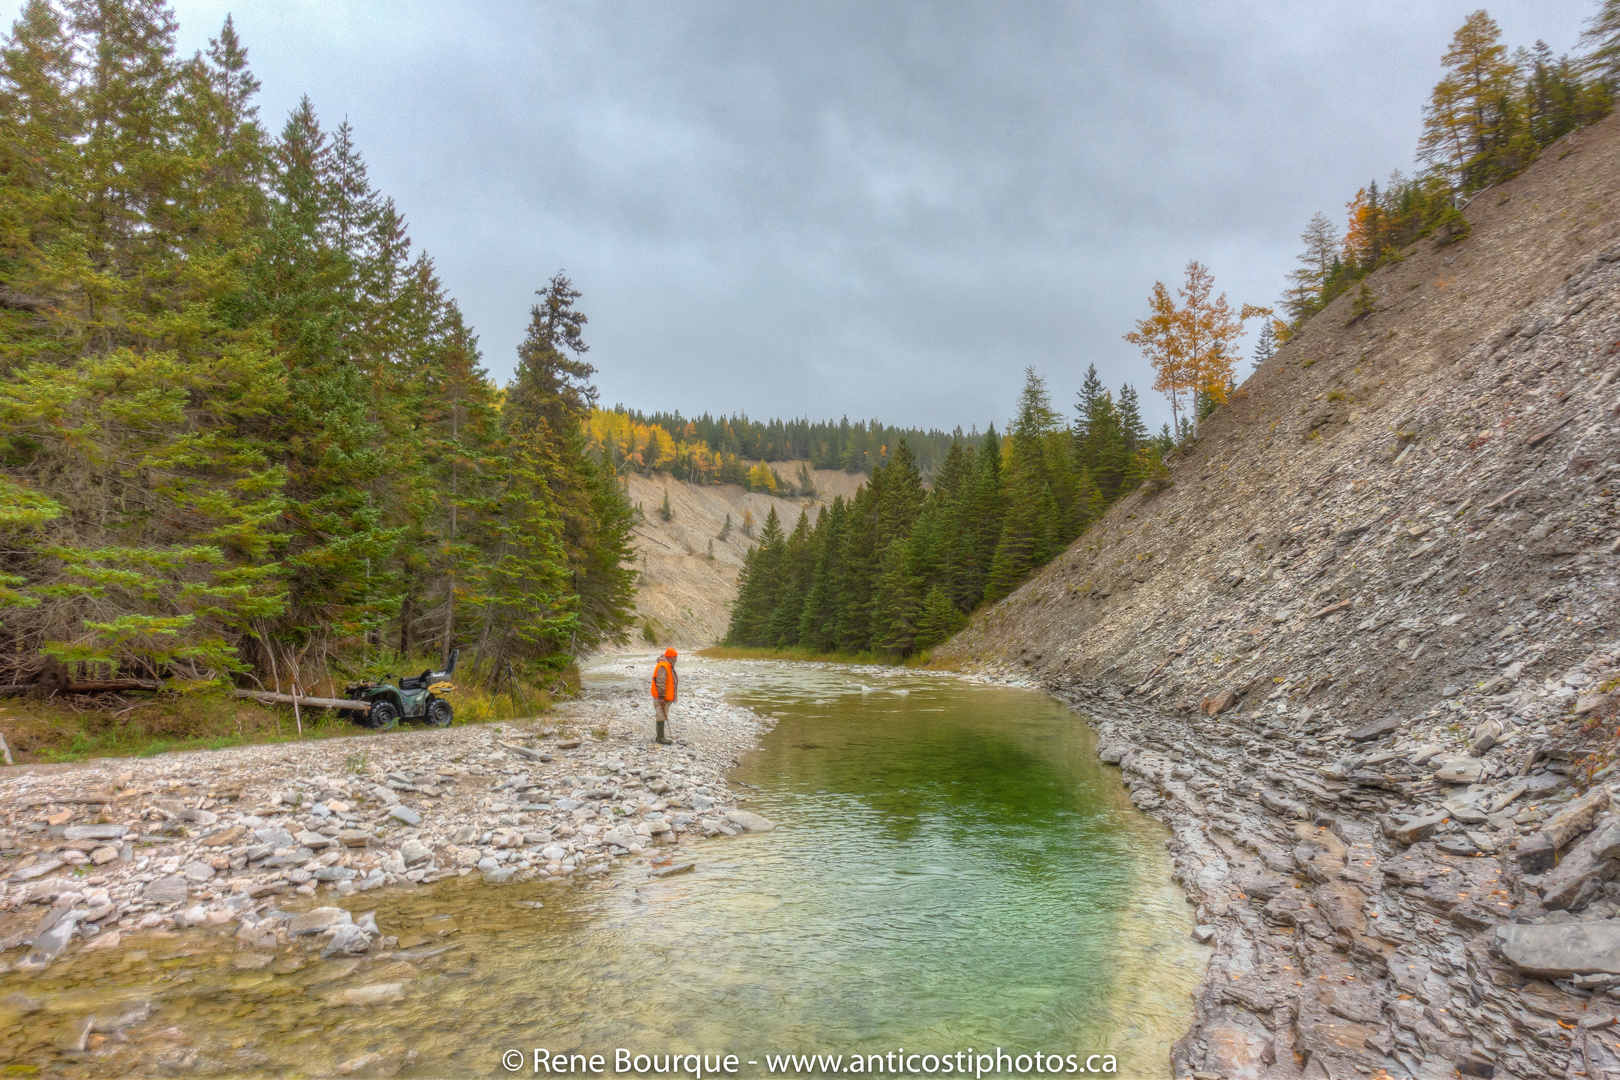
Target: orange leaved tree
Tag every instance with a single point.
(1191, 345)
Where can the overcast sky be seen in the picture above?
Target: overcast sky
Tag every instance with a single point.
(867, 208)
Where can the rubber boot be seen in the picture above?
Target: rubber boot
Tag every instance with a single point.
(661, 738)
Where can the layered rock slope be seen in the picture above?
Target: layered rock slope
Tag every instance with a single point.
(1358, 658)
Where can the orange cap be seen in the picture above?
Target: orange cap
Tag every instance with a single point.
(669, 654)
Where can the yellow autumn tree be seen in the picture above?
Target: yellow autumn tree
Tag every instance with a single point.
(1192, 345)
(1156, 336)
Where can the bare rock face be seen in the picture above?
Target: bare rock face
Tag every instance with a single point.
(1560, 950)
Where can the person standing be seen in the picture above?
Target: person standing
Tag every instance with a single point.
(663, 692)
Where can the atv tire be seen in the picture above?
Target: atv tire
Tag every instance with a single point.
(382, 716)
(439, 713)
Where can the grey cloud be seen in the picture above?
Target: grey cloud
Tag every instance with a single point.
(863, 208)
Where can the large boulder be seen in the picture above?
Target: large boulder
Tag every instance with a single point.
(318, 921)
(1559, 950)
(1591, 859)
(1411, 830)
(167, 890)
(1576, 818)
(1460, 770)
(749, 821)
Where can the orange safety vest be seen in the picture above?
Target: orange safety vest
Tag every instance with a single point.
(669, 681)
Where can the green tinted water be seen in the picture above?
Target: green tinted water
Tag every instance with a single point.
(952, 869)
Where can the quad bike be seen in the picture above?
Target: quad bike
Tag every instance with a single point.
(414, 698)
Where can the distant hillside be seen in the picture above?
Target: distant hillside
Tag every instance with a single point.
(688, 571)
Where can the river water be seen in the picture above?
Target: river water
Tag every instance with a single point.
(952, 869)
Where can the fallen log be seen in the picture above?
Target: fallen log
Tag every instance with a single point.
(313, 702)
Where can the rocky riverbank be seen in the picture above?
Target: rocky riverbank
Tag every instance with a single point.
(235, 837)
(1425, 897)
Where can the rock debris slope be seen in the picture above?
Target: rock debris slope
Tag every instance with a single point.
(689, 564)
(1362, 656)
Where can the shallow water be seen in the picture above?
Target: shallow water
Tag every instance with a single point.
(952, 869)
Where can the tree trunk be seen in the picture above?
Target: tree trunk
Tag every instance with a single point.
(288, 699)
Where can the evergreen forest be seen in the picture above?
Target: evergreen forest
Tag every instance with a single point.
(243, 428)
(897, 568)
(737, 450)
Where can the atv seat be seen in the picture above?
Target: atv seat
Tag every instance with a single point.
(417, 682)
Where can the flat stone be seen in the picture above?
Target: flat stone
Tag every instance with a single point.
(1559, 950)
(1576, 818)
(1425, 754)
(750, 821)
(1501, 801)
(1534, 854)
(1485, 736)
(198, 872)
(1456, 845)
(375, 994)
(673, 871)
(1591, 858)
(225, 837)
(1460, 770)
(94, 832)
(405, 814)
(1591, 703)
(347, 939)
(318, 921)
(130, 1015)
(167, 890)
(314, 840)
(354, 838)
(1389, 725)
(1412, 830)
(47, 946)
(38, 870)
(1542, 783)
